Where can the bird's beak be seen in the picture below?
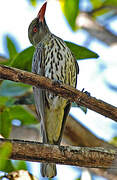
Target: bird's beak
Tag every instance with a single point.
(41, 13)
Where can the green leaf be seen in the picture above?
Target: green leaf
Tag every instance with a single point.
(33, 2)
(84, 109)
(5, 152)
(110, 2)
(96, 3)
(20, 113)
(10, 88)
(3, 100)
(15, 112)
(19, 165)
(7, 101)
(74, 104)
(5, 123)
(9, 167)
(78, 178)
(70, 9)
(11, 48)
(114, 141)
(24, 59)
(4, 60)
(81, 52)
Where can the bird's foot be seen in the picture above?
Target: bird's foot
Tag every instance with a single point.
(62, 149)
(86, 92)
(57, 82)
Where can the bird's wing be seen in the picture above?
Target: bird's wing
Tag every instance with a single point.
(77, 70)
(39, 94)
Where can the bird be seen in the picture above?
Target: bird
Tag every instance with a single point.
(53, 59)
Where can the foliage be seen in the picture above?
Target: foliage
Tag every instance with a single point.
(81, 52)
(70, 9)
(33, 2)
(84, 109)
(8, 165)
(5, 152)
(11, 48)
(99, 8)
(11, 112)
(114, 141)
(9, 88)
(24, 59)
(19, 165)
(9, 92)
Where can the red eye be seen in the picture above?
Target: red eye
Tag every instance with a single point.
(34, 29)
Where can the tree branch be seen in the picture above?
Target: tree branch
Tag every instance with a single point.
(65, 91)
(109, 7)
(69, 155)
(86, 22)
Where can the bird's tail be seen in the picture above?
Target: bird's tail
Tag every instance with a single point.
(48, 170)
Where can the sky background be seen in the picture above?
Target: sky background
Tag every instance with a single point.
(15, 17)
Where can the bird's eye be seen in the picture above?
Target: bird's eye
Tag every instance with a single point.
(34, 29)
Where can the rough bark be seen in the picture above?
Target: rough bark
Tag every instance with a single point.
(70, 155)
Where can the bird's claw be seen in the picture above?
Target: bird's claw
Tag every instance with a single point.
(86, 92)
(56, 82)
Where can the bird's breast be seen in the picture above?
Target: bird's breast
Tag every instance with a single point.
(59, 62)
(59, 65)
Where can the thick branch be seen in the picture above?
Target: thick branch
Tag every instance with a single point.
(86, 22)
(69, 155)
(65, 91)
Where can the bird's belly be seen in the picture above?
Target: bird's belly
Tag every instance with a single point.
(54, 118)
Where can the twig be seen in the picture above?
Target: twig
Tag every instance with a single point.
(110, 7)
(65, 91)
(69, 155)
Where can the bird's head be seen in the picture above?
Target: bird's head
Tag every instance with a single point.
(38, 28)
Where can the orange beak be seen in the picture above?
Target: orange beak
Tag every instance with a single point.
(41, 13)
